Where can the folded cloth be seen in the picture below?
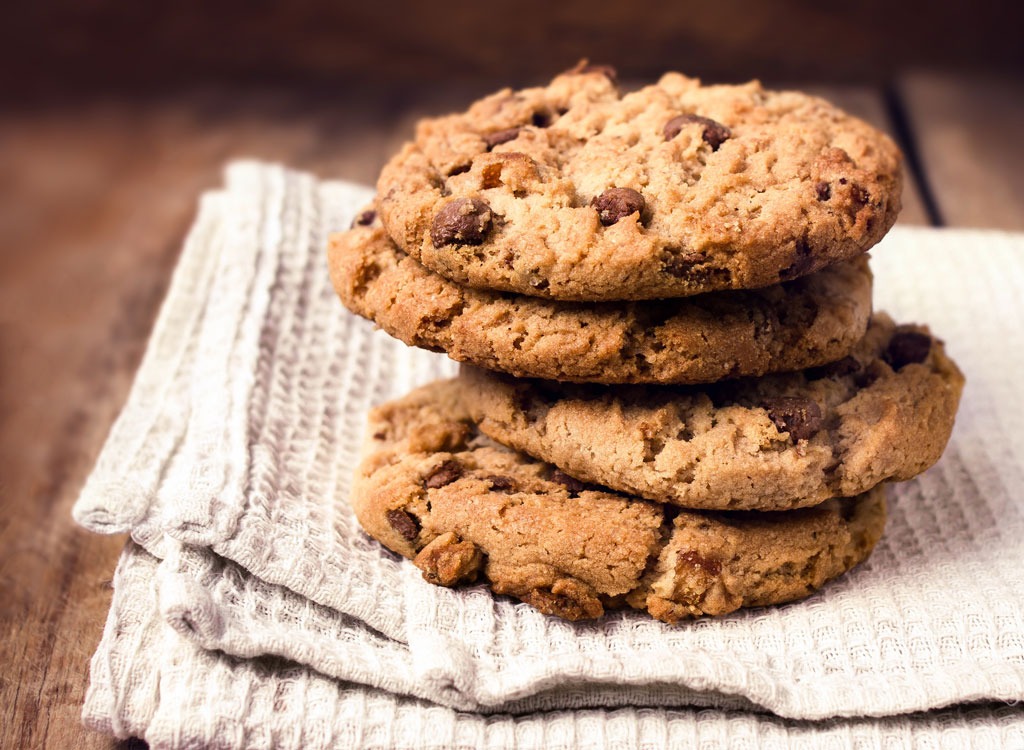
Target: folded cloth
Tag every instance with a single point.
(149, 682)
(234, 454)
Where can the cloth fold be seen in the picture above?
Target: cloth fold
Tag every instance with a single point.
(232, 460)
(190, 697)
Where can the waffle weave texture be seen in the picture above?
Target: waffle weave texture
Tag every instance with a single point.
(251, 611)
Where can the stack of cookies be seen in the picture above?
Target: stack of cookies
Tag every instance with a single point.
(675, 395)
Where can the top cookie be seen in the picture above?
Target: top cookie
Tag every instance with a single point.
(573, 191)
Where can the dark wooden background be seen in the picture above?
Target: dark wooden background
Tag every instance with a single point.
(114, 116)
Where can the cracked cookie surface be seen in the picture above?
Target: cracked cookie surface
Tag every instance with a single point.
(802, 323)
(575, 191)
(464, 508)
(884, 413)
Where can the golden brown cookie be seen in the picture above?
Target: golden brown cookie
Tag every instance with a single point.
(575, 191)
(802, 323)
(782, 441)
(465, 508)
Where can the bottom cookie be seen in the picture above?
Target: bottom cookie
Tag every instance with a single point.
(434, 489)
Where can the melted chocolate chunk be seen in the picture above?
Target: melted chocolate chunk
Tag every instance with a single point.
(617, 203)
(364, 219)
(444, 474)
(574, 485)
(501, 483)
(502, 136)
(403, 523)
(714, 133)
(797, 415)
(907, 348)
(463, 221)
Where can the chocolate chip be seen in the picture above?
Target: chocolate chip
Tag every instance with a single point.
(463, 221)
(444, 474)
(715, 133)
(679, 263)
(364, 219)
(617, 203)
(403, 523)
(574, 485)
(907, 348)
(842, 368)
(823, 190)
(501, 483)
(502, 136)
(458, 169)
(797, 415)
(380, 434)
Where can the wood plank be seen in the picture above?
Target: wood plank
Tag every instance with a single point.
(968, 130)
(868, 103)
(102, 197)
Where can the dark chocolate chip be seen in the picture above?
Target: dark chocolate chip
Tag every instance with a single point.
(463, 221)
(574, 485)
(501, 483)
(797, 415)
(617, 203)
(715, 133)
(679, 263)
(403, 523)
(364, 219)
(380, 434)
(842, 368)
(458, 169)
(907, 348)
(502, 136)
(444, 474)
(823, 191)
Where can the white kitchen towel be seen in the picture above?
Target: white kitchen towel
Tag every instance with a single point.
(242, 432)
(149, 682)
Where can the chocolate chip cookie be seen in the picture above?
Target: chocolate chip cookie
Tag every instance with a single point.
(575, 191)
(801, 323)
(464, 508)
(882, 414)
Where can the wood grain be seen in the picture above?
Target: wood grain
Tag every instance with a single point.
(969, 137)
(97, 197)
(97, 201)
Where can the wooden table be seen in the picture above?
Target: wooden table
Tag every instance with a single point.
(97, 199)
